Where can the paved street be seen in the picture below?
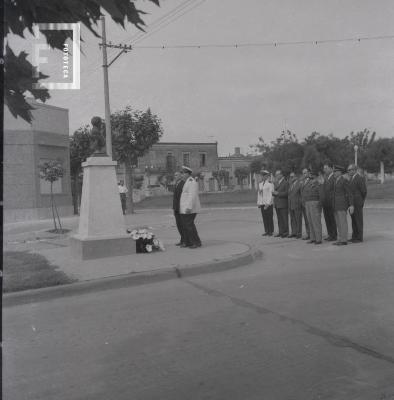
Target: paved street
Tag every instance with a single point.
(305, 322)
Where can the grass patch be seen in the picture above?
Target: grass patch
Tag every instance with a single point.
(23, 270)
(376, 191)
(59, 231)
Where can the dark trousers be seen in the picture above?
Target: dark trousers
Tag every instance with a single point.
(331, 225)
(179, 226)
(268, 219)
(357, 223)
(283, 220)
(296, 221)
(123, 202)
(190, 230)
(305, 220)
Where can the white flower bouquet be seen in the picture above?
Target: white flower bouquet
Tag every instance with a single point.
(145, 241)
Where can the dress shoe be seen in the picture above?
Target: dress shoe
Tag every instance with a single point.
(284, 236)
(183, 245)
(355, 241)
(278, 235)
(340, 243)
(306, 238)
(178, 244)
(193, 246)
(265, 234)
(271, 234)
(291, 236)
(319, 242)
(311, 241)
(299, 237)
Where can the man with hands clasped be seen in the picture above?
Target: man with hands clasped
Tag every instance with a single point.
(189, 206)
(265, 202)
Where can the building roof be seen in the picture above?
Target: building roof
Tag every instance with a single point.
(185, 143)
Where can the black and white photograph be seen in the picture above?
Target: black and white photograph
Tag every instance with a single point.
(198, 200)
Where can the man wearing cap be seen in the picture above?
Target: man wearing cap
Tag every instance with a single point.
(179, 182)
(312, 195)
(342, 202)
(265, 202)
(359, 191)
(327, 201)
(281, 204)
(295, 206)
(189, 206)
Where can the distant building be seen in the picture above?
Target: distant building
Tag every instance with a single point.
(26, 196)
(233, 161)
(164, 158)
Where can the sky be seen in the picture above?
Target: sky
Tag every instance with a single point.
(236, 95)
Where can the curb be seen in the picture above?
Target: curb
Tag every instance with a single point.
(130, 280)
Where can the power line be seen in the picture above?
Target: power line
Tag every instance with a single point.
(175, 18)
(267, 44)
(162, 19)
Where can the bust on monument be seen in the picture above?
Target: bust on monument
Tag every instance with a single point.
(98, 137)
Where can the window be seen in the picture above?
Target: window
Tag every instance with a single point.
(203, 159)
(186, 159)
(170, 162)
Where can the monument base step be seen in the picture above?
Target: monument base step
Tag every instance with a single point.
(91, 248)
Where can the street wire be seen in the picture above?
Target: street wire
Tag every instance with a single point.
(155, 24)
(267, 44)
(165, 23)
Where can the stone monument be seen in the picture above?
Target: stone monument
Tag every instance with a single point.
(102, 230)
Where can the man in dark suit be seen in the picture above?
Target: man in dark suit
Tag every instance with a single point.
(179, 182)
(327, 202)
(281, 203)
(342, 203)
(303, 181)
(295, 206)
(359, 191)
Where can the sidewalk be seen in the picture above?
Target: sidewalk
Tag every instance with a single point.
(218, 252)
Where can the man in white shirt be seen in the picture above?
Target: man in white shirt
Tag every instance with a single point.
(189, 206)
(265, 203)
(123, 197)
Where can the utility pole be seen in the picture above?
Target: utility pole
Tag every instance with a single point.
(124, 49)
(108, 139)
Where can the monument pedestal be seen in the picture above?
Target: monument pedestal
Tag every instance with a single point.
(102, 231)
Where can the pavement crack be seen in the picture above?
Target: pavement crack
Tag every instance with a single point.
(332, 338)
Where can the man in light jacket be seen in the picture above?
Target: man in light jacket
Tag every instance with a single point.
(265, 203)
(189, 206)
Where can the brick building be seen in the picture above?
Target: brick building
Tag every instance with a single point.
(233, 161)
(26, 195)
(164, 158)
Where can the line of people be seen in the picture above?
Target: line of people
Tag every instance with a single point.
(305, 197)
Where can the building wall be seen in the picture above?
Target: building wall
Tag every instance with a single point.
(200, 157)
(26, 196)
(157, 156)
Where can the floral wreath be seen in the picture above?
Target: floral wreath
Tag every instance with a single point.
(146, 242)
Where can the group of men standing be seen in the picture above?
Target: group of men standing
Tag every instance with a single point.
(305, 197)
(186, 205)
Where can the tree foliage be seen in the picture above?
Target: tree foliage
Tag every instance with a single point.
(221, 176)
(21, 15)
(289, 154)
(241, 173)
(52, 171)
(133, 134)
